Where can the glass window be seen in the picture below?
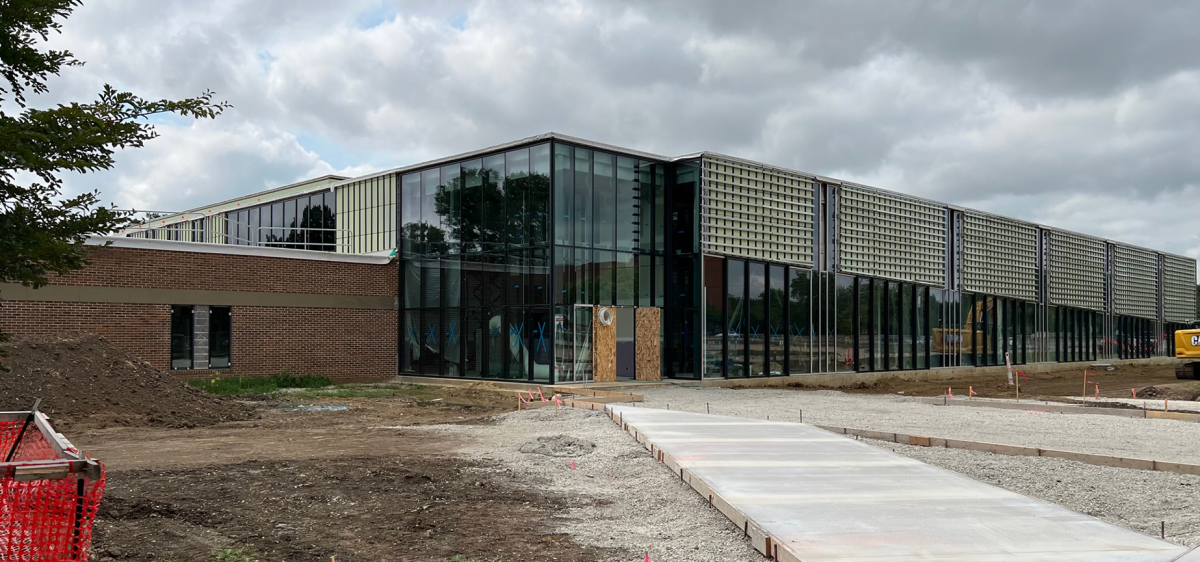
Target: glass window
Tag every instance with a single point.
(799, 322)
(540, 340)
(329, 219)
(564, 195)
(644, 175)
(645, 276)
(735, 286)
(843, 328)
(584, 293)
(516, 193)
(604, 208)
(492, 236)
(626, 200)
(921, 335)
(449, 207)
(938, 343)
(864, 325)
(181, 337)
(583, 197)
(605, 278)
(894, 326)
(538, 209)
(220, 329)
(276, 224)
(431, 284)
(471, 228)
(627, 287)
(289, 221)
(451, 343)
(776, 321)
(714, 314)
(756, 325)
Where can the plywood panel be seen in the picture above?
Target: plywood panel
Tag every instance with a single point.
(604, 347)
(649, 354)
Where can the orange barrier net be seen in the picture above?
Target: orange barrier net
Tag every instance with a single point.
(49, 492)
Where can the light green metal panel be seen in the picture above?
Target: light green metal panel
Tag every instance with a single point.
(366, 215)
(884, 234)
(1179, 288)
(1000, 256)
(756, 212)
(1076, 270)
(1135, 281)
(215, 229)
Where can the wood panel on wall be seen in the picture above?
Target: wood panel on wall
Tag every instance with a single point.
(604, 348)
(649, 348)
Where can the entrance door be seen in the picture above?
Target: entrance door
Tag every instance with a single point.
(626, 342)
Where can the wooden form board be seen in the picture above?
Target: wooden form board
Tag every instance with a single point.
(649, 348)
(604, 347)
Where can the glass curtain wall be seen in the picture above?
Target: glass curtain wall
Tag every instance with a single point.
(303, 223)
(607, 229)
(475, 262)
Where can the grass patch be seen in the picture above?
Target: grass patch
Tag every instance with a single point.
(415, 391)
(235, 386)
(230, 554)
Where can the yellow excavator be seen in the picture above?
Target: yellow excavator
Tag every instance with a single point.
(1187, 346)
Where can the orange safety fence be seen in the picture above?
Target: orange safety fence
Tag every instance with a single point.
(49, 492)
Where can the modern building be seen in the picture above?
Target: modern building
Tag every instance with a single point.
(507, 253)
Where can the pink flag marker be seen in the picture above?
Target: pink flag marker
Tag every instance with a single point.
(1134, 391)
(971, 391)
(531, 395)
(540, 394)
(647, 557)
(572, 465)
(1097, 392)
(950, 391)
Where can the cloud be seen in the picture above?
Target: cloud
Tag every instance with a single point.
(1076, 114)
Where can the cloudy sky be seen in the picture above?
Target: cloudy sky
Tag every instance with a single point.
(1081, 115)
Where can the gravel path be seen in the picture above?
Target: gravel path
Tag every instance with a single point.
(1165, 440)
(626, 499)
(1135, 499)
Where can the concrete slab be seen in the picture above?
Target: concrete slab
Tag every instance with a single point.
(802, 493)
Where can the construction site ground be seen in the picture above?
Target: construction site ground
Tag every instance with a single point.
(1150, 381)
(395, 478)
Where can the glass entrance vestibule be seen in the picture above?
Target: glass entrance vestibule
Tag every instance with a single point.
(763, 319)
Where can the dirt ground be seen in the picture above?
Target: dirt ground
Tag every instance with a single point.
(306, 485)
(1117, 383)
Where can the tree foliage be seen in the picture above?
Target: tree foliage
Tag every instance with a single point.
(41, 229)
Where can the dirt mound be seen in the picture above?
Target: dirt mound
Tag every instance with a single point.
(1184, 391)
(82, 379)
(558, 446)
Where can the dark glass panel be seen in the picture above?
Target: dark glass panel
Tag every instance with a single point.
(683, 209)
(430, 361)
(627, 287)
(495, 333)
(410, 355)
(431, 284)
(776, 322)
(451, 283)
(843, 323)
(564, 196)
(220, 330)
(921, 336)
(604, 206)
(471, 231)
(537, 278)
(626, 202)
(182, 326)
(449, 207)
(939, 345)
(583, 198)
(606, 277)
(660, 211)
(645, 277)
(735, 287)
(564, 284)
(864, 324)
(516, 195)
(644, 175)
(756, 324)
(799, 321)
(541, 342)
(714, 316)
(906, 326)
(516, 274)
(291, 235)
(492, 236)
(411, 270)
(474, 342)
(538, 210)
(329, 219)
(584, 292)
(431, 190)
(452, 343)
(276, 223)
(410, 215)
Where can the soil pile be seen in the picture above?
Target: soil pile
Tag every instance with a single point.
(558, 446)
(83, 380)
(1183, 391)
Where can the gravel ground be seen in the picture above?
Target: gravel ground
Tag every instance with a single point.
(1165, 440)
(627, 500)
(1135, 499)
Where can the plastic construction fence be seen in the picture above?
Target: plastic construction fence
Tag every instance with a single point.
(49, 492)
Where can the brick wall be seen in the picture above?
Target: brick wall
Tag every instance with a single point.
(341, 343)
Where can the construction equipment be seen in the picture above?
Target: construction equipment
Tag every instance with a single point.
(1187, 346)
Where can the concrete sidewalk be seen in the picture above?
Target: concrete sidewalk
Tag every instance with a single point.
(802, 493)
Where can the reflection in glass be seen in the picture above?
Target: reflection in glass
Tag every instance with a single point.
(757, 331)
(735, 286)
(604, 208)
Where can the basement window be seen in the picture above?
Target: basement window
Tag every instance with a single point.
(182, 328)
(220, 327)
(189, 350)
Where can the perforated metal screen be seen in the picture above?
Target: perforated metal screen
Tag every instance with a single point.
(756, 212)
(889, 235)
(1076, 270)
(1000, 257)
(1135, 281)
(1179, 288)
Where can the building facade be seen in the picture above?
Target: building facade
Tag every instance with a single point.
(506, 254)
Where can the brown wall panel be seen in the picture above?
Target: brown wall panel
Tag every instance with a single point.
(649, 350)
(604, 347)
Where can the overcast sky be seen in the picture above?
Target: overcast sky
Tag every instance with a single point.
(1080, 115)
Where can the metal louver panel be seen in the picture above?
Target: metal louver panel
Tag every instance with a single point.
(1076, 270)
(756, 212)
(883, 234)
(1001, 256)
(1179, 288)
(1135, 281)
